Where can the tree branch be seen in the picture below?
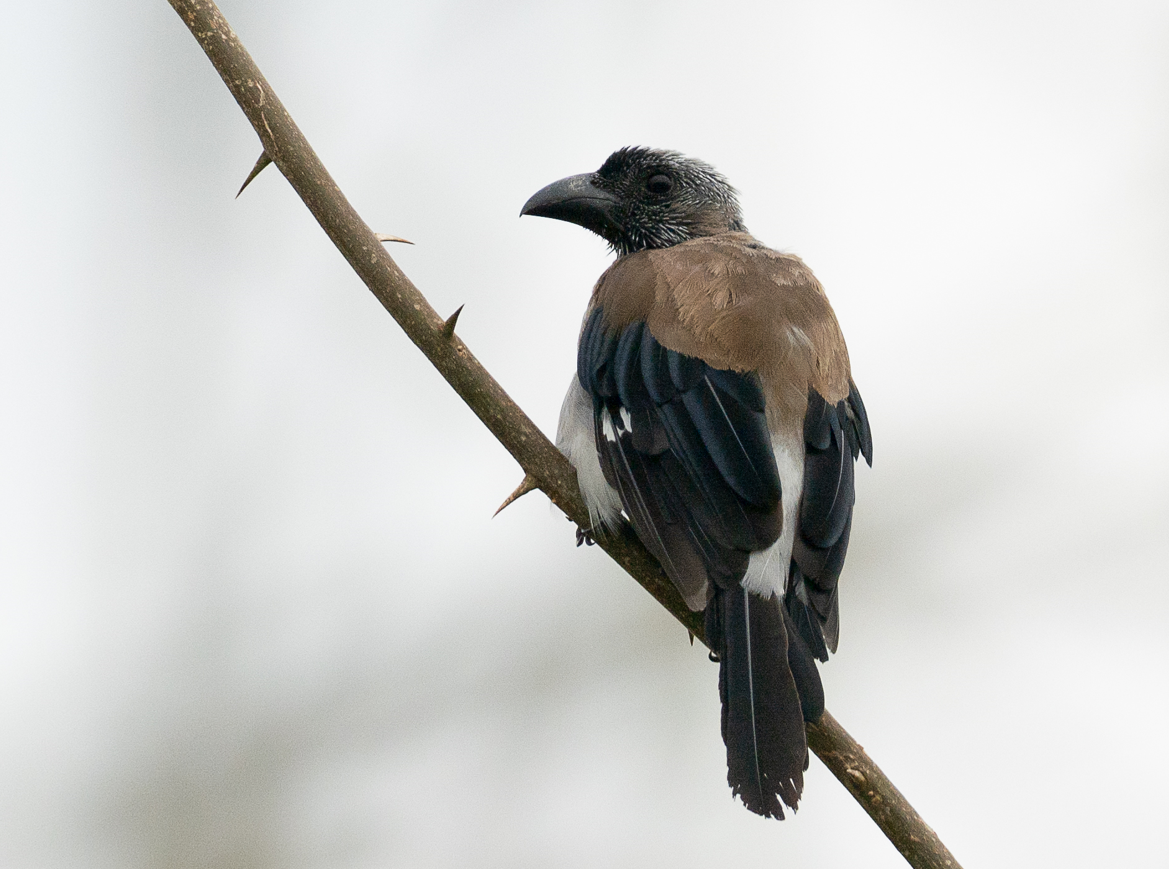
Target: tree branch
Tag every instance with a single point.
(287, 147)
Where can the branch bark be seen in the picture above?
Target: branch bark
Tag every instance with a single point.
(287, 147)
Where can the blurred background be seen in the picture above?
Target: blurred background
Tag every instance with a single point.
(254, 610)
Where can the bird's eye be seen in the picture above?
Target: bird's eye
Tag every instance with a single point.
(659, 185)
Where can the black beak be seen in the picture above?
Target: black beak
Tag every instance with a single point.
(578, 200)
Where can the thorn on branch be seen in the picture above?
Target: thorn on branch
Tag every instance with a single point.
(261, 164)
(448, 332)
(382, 237)
(527, 484)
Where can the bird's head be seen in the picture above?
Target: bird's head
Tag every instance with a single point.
(642, 199)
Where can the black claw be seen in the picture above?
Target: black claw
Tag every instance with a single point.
(585, 537)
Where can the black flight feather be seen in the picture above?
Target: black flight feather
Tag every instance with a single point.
(804, 672)
(860, 423)
(834, 435)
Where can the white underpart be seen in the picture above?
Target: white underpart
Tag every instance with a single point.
(574, 438)
(767, 569)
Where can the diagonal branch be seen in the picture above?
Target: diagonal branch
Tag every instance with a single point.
(286, 146)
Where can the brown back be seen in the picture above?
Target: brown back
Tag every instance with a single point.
(735, 304)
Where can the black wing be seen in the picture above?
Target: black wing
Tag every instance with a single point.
(834, 435)
(688, 450)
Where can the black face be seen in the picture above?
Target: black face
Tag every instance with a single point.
(643, 199)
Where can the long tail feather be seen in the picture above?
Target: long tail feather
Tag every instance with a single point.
(763, 720)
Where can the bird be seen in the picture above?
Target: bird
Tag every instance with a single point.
(713, 409)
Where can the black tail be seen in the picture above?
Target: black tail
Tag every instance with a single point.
(762, 714)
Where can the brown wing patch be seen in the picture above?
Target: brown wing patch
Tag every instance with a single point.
(735, 304)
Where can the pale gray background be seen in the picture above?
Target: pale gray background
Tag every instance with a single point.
(254, 611)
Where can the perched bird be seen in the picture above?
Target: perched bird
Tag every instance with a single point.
(713, 408)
